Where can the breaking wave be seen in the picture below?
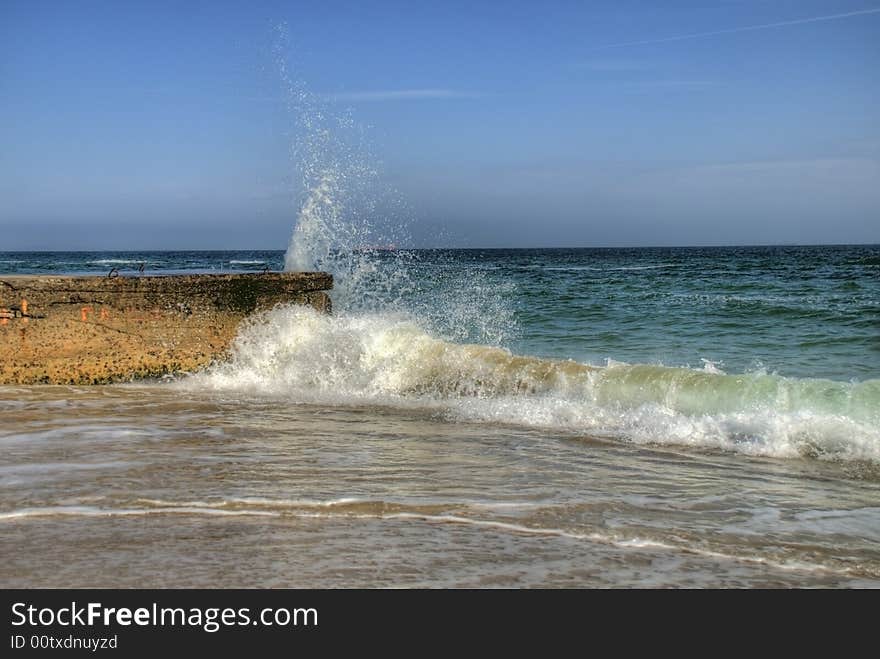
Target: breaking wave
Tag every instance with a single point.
(301, 356)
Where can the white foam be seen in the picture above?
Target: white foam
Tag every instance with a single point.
(352, 508)
(86, 511)
(615, 540)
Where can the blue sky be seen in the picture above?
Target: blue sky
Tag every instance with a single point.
(162, 125)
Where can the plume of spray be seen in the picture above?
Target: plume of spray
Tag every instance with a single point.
(352, 224)
(344, 207)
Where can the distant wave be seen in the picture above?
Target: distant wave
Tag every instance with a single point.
(115, 262)
(578, 268)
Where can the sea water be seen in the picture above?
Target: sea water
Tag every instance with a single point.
(566, 417)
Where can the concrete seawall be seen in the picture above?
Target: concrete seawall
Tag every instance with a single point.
(95, 330)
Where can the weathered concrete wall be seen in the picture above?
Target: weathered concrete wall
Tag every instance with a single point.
(92, 330)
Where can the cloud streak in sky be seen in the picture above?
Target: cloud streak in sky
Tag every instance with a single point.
(400, 95)
(747, 28)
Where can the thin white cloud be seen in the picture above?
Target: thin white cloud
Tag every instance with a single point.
(747, 28)
(615, 65)
(400, 95)
(669, 84)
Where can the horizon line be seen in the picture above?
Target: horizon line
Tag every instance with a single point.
(405, 249)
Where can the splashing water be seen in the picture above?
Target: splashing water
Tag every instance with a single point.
(310, 244)
(350, 224)
(343, 206)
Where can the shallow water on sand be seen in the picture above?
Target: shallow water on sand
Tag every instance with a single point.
(138, 485)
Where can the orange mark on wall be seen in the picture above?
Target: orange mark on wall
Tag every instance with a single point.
(85, 313)
(104, 314)
(24, 307)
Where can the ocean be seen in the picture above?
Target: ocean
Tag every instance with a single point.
(645, 417)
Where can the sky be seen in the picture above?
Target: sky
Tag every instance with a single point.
(163, 125)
